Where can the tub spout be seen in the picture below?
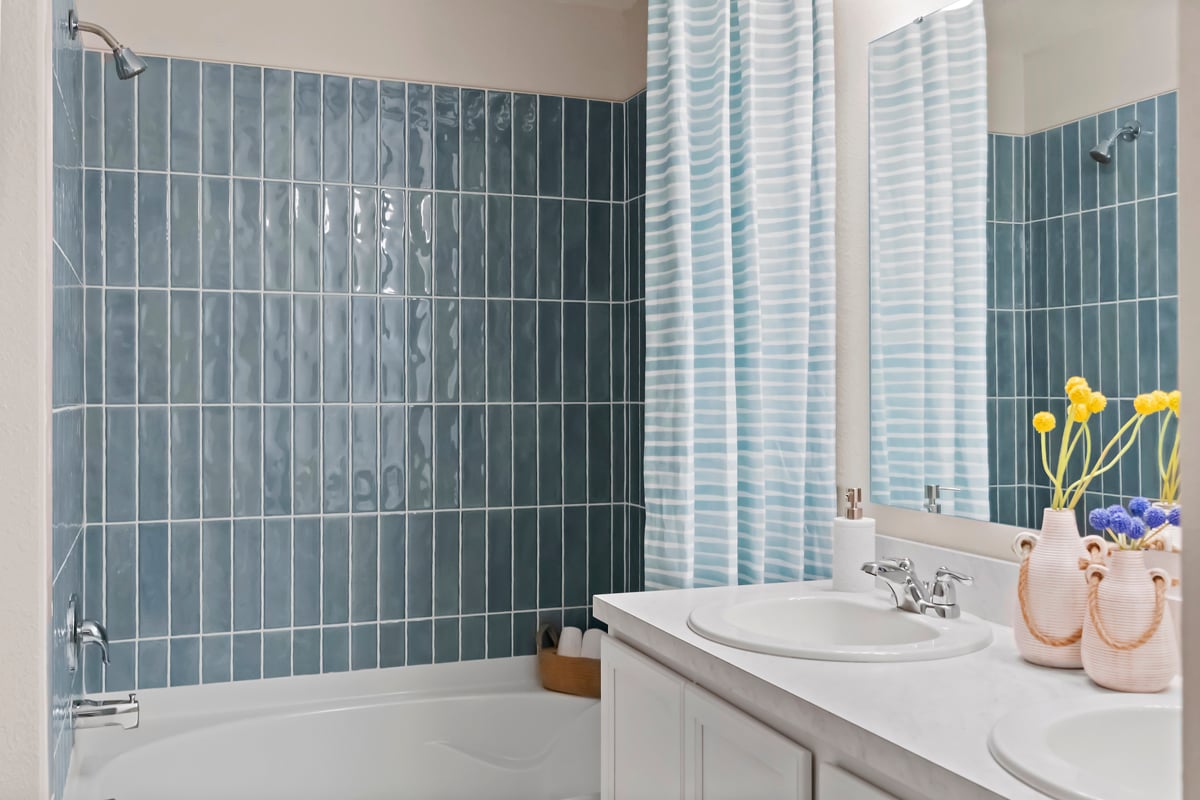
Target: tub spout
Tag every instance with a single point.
(102, 713)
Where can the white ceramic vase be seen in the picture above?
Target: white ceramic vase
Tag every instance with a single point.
(1129, 641)
(1048, 618)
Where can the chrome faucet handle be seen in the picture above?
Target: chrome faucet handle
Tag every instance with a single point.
(942, 591)
(903, 564)
(79, 633)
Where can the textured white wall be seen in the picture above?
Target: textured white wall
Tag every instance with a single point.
(593, 49)
(25, 265)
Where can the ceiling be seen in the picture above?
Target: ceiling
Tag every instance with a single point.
(612, 5)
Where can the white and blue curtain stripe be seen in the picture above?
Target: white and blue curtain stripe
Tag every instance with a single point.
(928, 104)
(739, 424)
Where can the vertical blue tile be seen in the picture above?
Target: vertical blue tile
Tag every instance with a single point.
(499, 350)
(599, 151)
(1147, 159)
(335, 228)
(419, 372)
(152, 256)
(1072, 268)
(525, 144)
(524, 252)
(93, 228)
(574, 246)
(446, 530)
(473, 634)
(364, 244)
(306, 119)
(524, 447)
(120, 247)
(335, 570)
(277, 461)
(153, 334)
(472, 353)
(525, 558)
(549, 351)
(119, 459)
(599, 548)
(119, 136)
(216, 577)
(473, 247)
(215, 236)
(599, 457)
(550, 553)
(499, 560)
(94, 463)
(336, 458)
(306, 571)
(392, 241)
(277, 580)
(575, 147)
(445, 351)
(247, 656)
(524, 377)
(392, 129)
(1127, 270)
(1168, 342)
(364, 110)
(392, 574)
(364, 570)
(185, 115)
(1108, 254)
(277, 123)
(335, 328)
(550, 146)
(420, 457)
(185, 578)
(1090, 257)
(420, 136)
(1106, 123)
(1001, 195)
(474, 130)
(362, 348)
(1167, 145)
(185, 661)
(575, 453)
(247, 121)
(335, 124)
(1071, 168)
(152, 574)
(392, 645)
(154, 436)
(446, 137)
(364, 640)
(216, 477)
(549, 250)
(277, 654)
(499, 246)
(599, 349)
(1037, 176)
(93, 108)
(1147, 249)
(1054, 172)
(550, 469)
(1088, 168)
(575, 555)
(247, 235)
(277, 236)
(215, 353)
(499, 635)
(419, 566)
(247, 571)
(185, 463)
(1127, 338)
(391, 349)
(618, 153)
(216, 124)
(1125, 158)
(419, 645)
(474, 456)
(446, 455)
(306, 652)
(445, 640)
(499, 455)
(277, 348)
(446, 263)
(420, 243)
(499, 142)
(1168, 246)
(364, 441)
(1148, 335)
(152, 664)
(306, 357)
(598, 255)
(247, 461)
(473, 563)
(246, 350)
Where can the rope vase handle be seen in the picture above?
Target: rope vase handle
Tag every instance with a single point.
(1025, 541)
(1095, 576)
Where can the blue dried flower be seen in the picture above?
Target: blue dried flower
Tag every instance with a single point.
(1118, 509)
(1099, 519)
(1137, 528)
(1119, 522)
(1138, 506)
(1173, 516)
(1155, 517)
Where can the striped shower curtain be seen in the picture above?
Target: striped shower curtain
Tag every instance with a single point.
(739, 424)
(928, 89)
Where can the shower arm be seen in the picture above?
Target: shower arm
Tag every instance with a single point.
(76, 26)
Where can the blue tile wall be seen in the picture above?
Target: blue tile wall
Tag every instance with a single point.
(362, 369)
(69, 428)
(1083, 271)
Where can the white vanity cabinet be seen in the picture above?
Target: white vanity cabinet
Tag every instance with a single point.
(663, 737)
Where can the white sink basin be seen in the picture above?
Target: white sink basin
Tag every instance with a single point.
(1118, 747)
(833, 626)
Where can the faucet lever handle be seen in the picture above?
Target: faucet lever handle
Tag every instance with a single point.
(901, 563)
(946, 574)
(942, 591)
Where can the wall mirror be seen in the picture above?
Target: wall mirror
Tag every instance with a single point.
(1023, 231)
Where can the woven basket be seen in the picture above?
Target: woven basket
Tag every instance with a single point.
(566, 674)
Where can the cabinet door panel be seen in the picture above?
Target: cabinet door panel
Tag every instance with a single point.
(728, 755)
(834, 783)
(641, 711)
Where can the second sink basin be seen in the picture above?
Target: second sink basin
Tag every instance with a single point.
(832, 626)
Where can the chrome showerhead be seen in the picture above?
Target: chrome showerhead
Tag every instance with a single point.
(1102, 152)
(128, 63)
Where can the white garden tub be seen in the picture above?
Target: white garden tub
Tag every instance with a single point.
(474, 730)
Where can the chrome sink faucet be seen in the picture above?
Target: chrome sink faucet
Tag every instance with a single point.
(938, 596)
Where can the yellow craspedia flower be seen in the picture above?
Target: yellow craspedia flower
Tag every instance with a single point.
(1044, 422)
(1097, 403)
(1174, 400)
(1080, 412)
(1080, 393)
(1075, 381)
(1144, 404)
(1161, 399)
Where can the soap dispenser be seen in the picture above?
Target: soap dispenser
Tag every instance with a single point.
(853, 546)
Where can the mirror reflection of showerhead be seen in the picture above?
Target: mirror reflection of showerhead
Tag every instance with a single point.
(127, 63)
(1102, 152)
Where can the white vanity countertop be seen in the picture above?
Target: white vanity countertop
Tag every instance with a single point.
(941, 711)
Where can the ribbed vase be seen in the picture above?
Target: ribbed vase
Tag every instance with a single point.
(1141, 653)
(1048, 618)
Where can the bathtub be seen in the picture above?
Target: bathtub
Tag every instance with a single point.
(473, 730)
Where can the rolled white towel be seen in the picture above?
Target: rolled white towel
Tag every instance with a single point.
(591, 643)
(570, 642)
